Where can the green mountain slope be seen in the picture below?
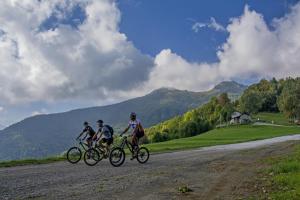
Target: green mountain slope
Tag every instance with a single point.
(46, 135)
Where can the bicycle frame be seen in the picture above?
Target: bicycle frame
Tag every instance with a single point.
(83, 145)
(127, 143)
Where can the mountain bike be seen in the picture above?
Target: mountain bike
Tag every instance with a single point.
(74, 154)
(95, 154)
(117, 154)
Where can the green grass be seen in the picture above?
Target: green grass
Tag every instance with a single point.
(284, 177)
(30, 161)
(228, 135)
(277, 118)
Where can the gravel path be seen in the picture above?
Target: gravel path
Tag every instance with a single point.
(220, 172)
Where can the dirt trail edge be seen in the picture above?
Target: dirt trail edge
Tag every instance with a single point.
(219, 172)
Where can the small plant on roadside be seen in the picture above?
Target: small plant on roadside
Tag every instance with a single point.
(184, 189)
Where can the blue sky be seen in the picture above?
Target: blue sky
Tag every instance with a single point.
(58, 55)
(155, 25)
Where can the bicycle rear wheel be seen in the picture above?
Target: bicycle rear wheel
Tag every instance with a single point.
(91, 157)
(74, 155)
(142, 155)
(117, 157)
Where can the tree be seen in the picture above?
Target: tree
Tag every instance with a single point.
(189, 129)
(250, 102)
(223, 99)
(289, 100)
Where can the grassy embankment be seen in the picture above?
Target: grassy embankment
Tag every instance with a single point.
(30, 161)
(281, 179)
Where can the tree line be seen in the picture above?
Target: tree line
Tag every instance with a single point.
(273, 96)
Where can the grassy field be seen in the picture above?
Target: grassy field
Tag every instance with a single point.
(277, 118)
(283, 177)
(30, 161)
(228, 135)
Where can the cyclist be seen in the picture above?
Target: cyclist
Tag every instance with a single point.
(107, 132)
(89, 132)
(137, 131)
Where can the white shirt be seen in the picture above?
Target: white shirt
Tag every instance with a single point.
(134, 123)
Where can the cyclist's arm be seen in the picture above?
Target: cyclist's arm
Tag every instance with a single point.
(95, 136)
(128, 127)
(79, 136)
(86, 134)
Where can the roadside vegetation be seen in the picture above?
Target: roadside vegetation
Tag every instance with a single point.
(282, 177)
(30, 161)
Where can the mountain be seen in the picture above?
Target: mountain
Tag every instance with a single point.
(2, 126)
(51, 134)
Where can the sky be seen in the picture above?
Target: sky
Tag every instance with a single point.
(58, 55)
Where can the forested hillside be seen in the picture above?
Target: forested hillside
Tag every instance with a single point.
(266, 96)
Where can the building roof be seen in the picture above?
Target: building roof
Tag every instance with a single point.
(235, 115)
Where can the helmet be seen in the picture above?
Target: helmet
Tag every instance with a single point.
(133, 115)
(85, 123)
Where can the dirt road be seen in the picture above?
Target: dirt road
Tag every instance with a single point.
(221, 172)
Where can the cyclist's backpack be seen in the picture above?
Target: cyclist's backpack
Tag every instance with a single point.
(111, 130)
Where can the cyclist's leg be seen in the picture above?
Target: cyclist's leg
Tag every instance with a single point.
(134, 141)
(105, 145)
(108, 144)
(134, 146)
(89, 142)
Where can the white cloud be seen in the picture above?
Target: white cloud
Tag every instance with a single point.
(1, 108)
(213, 24)
(251, 50)
(39, 112)
(65, 62)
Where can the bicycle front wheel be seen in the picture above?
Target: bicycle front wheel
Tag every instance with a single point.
(91, 157)
(143, 155)
(117, 157)
(74, 155)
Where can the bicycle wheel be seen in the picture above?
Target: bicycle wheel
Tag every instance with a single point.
(117, 157)
(91, 157)
(74, 155)
(143, 155)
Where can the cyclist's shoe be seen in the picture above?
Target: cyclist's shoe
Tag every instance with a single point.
(105, 156)
(133, 157)
(134, 154)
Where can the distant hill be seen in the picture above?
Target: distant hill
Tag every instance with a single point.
(51, 134)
